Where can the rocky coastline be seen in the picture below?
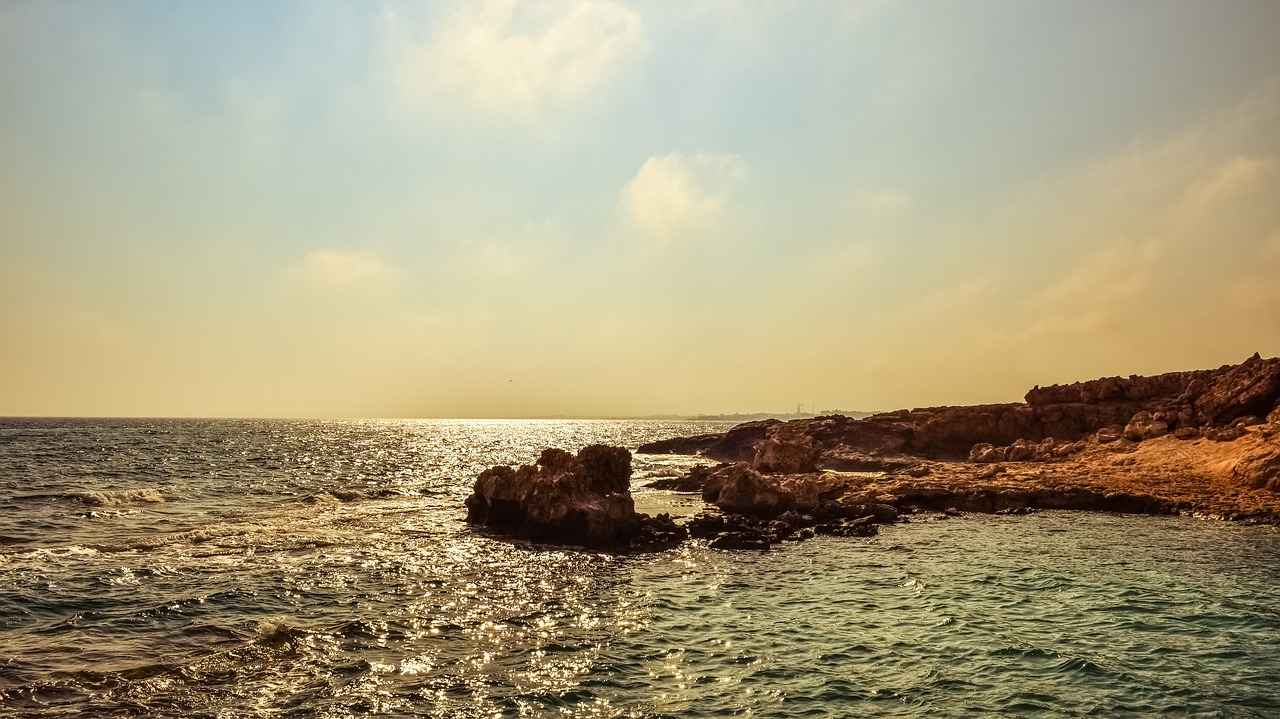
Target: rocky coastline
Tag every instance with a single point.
(1203, 443)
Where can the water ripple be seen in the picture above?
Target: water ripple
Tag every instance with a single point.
(288, 568)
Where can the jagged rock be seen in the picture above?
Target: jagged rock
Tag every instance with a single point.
(1249, 388)
(1111, 433)
(1020, 451)
(1145, 425)
(742, 490)
(583, 500)
(1225, 434)
(660, 532)
(786, 449)
(1069, 448)
(984, 453)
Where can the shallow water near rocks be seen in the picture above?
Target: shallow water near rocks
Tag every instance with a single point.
(180, 568)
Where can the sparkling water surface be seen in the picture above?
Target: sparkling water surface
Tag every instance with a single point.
(243, 568)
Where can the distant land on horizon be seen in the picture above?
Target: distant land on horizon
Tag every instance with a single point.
(737, 416)
(732, 417)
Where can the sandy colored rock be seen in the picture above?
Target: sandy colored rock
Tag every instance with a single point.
(786, 449)
(583, 499)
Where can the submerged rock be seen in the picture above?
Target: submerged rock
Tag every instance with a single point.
(583, 500)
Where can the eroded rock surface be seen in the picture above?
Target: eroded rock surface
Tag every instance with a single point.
(1184, 442)
(566, 499)
(1136, 408)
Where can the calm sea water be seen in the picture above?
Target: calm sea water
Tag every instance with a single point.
(191, 568)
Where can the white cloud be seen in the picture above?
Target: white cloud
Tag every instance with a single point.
(514, 59)
(344, 270)
(1225, 182)
(672, 194)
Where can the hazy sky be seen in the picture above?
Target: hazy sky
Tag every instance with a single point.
(606, 208)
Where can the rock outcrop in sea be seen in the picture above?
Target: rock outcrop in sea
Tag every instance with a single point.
(582, 499)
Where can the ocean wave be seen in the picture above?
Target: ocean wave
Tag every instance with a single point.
(159, 688)
(353, 495)
(116, 497)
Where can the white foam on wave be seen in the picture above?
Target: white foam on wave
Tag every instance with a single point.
(116, 497)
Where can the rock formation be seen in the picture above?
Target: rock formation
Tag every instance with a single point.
(1141, 407)
(566, 499)
(1185, 442)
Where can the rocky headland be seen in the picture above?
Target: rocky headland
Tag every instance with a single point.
(1204, 442)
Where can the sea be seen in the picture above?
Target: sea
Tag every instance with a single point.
(303, 568)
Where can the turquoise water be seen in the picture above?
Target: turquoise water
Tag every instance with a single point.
(281, 568)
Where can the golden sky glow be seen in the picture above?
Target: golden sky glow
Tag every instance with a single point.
(606, 208)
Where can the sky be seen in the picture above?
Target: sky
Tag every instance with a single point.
(610, 208)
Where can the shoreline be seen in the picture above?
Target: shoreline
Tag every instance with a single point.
(1200, 443)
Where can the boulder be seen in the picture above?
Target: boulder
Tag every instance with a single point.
(984, 453)
(582, 500)
(740, 540)
(1110, 433)
(786, 449)
(1020, 451)
(1249, 388)
(1145, 425)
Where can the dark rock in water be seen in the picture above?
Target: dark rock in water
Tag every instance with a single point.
(857, 528)
(583, 499)
(660, 532)
(705, 525)
(740, 540)
(692, 481)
